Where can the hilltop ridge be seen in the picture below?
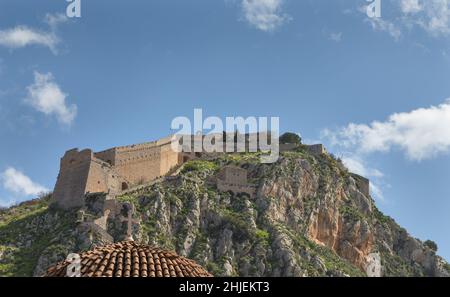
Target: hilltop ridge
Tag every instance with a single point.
(308, 216)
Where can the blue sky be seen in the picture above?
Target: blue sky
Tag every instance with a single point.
(373, 90)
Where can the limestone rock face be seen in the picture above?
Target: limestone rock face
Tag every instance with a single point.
(309, 217)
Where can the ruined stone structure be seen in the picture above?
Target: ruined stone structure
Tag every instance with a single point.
(111, 171)
(362, 183)
(316, 149)
(234, 179)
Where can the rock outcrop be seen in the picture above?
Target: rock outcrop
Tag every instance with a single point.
(309, 217)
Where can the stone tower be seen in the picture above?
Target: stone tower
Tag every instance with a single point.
(112, 170)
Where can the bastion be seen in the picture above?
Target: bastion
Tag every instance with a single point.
(111, 171)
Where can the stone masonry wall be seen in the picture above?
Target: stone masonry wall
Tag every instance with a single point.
(72, 178)
(117, 169)
(362, 183)
(233, 175)
(139, 165)
(112, 170)
(317, 149)
(169, 159)
(109, 156)
(103, 178)
(234, 179)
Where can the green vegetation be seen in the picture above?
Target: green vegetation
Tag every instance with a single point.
(394, 265)
(237, 220)
(175, 211)
(303, 153)
(432, 245)
(290, 138)
(262, 235)
(22, 260)
(132, 199)
(199, 165)
(332, 262)
(127, 198)
(199, 247)
(24, 209)
(239, 159)
(24, 223)
(214, 268)
(380, 217)
(447, 267)
(351, 213)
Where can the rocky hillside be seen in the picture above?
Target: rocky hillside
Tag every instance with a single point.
(309, 218)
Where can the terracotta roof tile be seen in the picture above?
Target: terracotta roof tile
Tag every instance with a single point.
(129, 259)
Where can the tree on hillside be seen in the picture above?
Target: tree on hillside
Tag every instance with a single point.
(291, 138)
(431, 244)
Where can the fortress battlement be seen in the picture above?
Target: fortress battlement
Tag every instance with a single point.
(112, 170)
(118, 169)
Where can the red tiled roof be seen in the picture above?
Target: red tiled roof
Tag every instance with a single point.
(129, 259)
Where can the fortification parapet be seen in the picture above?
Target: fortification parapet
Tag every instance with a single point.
(111, 171)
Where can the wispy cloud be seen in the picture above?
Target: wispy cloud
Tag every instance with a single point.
(337, 37)
(376, 191)
(54, 20)
(410, 6)
(356, 164)
(379, 24)
(46, 96)
(18, 183)
(421, 134)
(7, 202)
(265, 15)
(22, 36)
(431, 15)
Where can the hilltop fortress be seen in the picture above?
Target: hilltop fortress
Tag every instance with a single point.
(118, 169)
(111, 171)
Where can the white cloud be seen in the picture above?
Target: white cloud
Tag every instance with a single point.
(357, 165)
(266, 15)
(410, 6)
(431, 15)
(18, 183)
(336, 36)
(47, 97)
(421, 134)
(376, 191)
(379, 24)
(437, 16)
(5, 203)
(22, 36)
(53, 20)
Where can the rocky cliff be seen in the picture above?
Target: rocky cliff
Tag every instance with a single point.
(310, 217)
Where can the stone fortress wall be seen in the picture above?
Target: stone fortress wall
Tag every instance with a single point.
(362, 183)
(120, 168)
(111, 171)
(72, 178)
